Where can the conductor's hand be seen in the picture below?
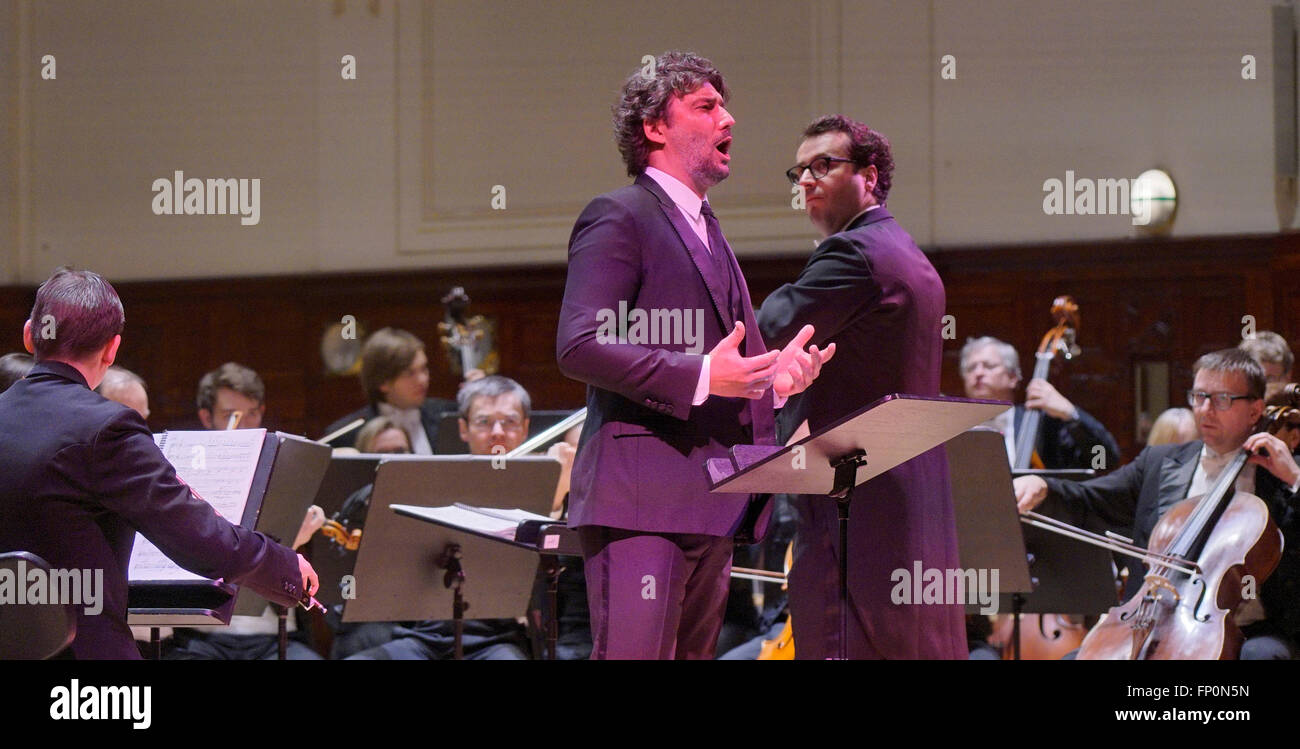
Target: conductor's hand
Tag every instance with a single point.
(1277, 461)
(1030, 492)
(796, 368)
(310, 582)
(734, 376)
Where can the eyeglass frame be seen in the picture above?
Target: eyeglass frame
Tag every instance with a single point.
(489, 423)
(1216, 399)
(795, 173)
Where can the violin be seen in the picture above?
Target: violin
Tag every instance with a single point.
(1184, 610)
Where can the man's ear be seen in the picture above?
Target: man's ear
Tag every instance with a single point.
(27, 338)
(109, 354)
(464, 430)
(205, 418)
(870, 176)
(654, 131)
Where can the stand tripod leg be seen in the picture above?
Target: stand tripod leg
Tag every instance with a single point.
(155, 643)
(454, 578)
(843, 505)
(282, 641)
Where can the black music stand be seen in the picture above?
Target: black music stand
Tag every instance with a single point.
(549, 539)
(288, 473)
(402, 570)
(858, 447)
(1039, 572)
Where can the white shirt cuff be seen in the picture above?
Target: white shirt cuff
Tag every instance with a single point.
(702, 387)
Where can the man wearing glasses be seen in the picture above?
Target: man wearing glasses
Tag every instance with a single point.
(1227, 400)
(493, 421)
(868, 288)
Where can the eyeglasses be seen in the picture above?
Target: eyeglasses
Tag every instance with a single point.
(1221, 401)
(486, 423)
(820, 167)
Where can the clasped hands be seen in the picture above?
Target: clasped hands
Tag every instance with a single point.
(787, 371)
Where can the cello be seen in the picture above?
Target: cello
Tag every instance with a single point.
(1207, 548)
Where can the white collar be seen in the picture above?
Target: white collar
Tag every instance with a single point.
(864, 212)
(678, 192)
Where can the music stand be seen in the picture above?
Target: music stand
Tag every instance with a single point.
(1048, 573)
(549, 539)
(400, 564)
(848, 452)
(288, 473)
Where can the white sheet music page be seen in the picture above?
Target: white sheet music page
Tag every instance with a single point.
(219, 467)
(462, 516)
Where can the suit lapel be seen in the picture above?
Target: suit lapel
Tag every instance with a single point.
(698, 253)
(1176, 472)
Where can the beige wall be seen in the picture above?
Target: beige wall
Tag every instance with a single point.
(396, 168)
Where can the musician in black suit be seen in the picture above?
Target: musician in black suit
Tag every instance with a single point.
(1067, 435)
(82, 474)
(395, 377)
(1227, 400)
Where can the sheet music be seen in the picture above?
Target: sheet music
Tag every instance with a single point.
(464, 516)
(219, 466)
(516, 516)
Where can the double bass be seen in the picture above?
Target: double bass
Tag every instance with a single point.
(1043, 636)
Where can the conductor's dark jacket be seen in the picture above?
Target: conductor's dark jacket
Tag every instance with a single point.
(79, 475)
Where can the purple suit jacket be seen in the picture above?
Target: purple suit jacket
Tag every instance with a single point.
(640, 463)
(875, 294)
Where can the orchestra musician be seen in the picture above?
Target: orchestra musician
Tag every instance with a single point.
(990, 369)
(121, 385)
(1272, 353)
(493, 420)
(233, 396)
(14, 367)
(395, 378)
(1227, 402)
(83, 474)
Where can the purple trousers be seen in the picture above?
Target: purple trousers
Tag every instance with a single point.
(655, 595)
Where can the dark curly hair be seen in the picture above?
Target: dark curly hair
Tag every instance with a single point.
(645, 99)
(866, 147)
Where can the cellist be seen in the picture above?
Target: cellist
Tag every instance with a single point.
(1227, 400)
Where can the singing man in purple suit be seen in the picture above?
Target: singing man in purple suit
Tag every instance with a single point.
(652, 286)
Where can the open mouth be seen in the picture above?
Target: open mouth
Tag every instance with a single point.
(724, 146)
